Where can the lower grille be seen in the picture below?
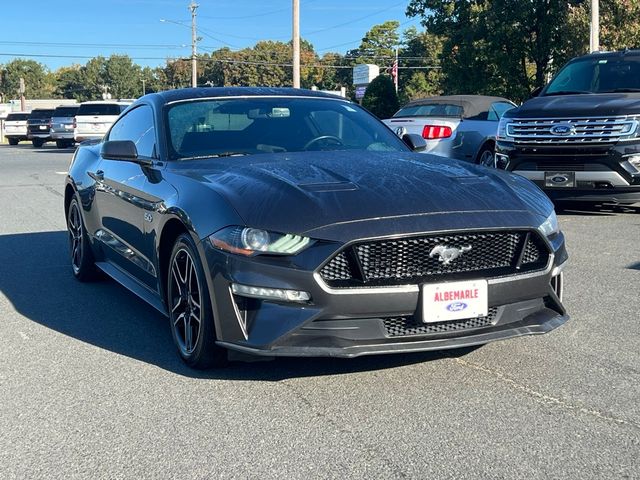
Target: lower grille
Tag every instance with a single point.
(434, 258)
(405, 326)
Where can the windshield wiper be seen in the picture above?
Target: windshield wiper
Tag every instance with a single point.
(568, 92)
(216, 155)
(621, 90)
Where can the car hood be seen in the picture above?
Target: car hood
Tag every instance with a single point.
(306, 192)
(570, 106)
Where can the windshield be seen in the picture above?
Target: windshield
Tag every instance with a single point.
(597, 75)
(273, 124)
(431, 110)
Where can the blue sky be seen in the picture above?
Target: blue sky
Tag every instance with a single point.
(86, 28)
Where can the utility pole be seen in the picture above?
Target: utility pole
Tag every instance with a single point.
(21, 90)
(194, 40)
(296, 43)
(594, 44)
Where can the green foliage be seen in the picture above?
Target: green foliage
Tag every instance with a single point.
(379, 42)
(38, 82)
(381, 98)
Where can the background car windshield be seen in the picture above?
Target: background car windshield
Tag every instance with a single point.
(598, 75)
(16, 117)
(65, 111)
(431, 110)
(271, 125)
(96, 109)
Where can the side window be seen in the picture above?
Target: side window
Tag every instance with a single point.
(497, 110)
(137, 126)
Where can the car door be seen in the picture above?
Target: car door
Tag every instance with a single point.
(120, 197)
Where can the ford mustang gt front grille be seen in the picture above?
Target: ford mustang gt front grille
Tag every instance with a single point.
(424, 258)
(403, 326)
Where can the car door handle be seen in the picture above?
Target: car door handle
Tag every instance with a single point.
(97, 176)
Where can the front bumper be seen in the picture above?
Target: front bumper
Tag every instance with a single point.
(363, 321)
(602, 173)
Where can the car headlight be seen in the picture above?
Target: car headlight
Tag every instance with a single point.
(254, 241)
(503, 132)
(550, 225)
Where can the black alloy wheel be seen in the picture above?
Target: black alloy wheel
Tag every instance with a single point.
(82, 260)
(487, 157)
(190, 310)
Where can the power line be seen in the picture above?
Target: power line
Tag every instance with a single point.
(75, 45)
(263, 14)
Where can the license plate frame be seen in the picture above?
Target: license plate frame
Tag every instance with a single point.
(442, 302)
(559, 179)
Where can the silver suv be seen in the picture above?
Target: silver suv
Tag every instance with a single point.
(62, 125)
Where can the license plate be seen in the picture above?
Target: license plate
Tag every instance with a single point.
(560, 179)
(43, 127)
(96, 126)
(454, 300)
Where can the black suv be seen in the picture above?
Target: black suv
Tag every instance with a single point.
(39, 125)
(579, 139)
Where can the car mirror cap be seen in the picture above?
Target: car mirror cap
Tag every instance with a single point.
(119, 150)
(414, 142)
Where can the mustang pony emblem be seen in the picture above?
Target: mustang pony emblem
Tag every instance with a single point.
(448, 254)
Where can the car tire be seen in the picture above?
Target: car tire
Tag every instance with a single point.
(62, 144)
(13, 141)
(487, 157)
(189, 307)
(37, 142)
(83, 263)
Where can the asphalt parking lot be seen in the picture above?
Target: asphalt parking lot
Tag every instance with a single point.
(90, 385)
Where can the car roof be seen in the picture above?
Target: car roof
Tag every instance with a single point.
(103, 102)
(209, 92)
(472, 105)
(612, 54)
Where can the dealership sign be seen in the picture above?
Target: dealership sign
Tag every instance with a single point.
(364, 74)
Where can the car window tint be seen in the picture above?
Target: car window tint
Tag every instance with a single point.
(137, 126)
(17, 117)
(497, 110)
(96, 109)
(65, 112)
(431, 110)
(272, 125)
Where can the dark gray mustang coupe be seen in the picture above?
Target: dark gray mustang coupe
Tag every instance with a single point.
(291, 222)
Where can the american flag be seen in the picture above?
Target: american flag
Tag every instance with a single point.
(394, 72)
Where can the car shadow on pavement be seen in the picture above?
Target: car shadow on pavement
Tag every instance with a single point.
(586, 209)
(36, 278)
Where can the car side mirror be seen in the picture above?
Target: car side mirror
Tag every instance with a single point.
(119, 150)
(415, 142)
(536, 91)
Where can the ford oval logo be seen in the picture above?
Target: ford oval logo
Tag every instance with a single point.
(563, 129)
(559, 179)
(457, 306)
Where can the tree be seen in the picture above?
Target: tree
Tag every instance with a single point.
(379, 43)
(38, 84)
(421, 50)
(496, 46)
(380, 97)
(122, 77)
